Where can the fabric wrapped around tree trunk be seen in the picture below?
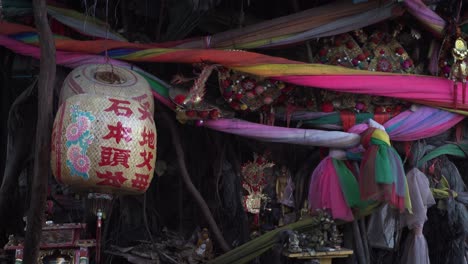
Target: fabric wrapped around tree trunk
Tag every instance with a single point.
(416, 250)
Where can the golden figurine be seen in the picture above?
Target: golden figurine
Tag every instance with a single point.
(459, 71)
(281, 182)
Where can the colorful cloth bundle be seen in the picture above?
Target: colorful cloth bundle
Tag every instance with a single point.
(382, 177)
(334, 187)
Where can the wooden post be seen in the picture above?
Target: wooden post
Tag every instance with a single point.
(43, 133)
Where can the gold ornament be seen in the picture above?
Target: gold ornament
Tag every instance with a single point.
(459, 70)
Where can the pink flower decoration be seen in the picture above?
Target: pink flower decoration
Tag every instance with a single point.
(250, 95)
(81, 163)
(383, 65)
(268, 100)
(248, 84)
(83, 123)
(73, 152)
(259, 89)
(73, 132)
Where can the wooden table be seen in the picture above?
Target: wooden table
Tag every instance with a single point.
(325, 257)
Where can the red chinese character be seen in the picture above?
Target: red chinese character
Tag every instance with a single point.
(119, 109)
(118, 132)
(110, 179)
(114, 156)
(147, 157)
(141, 181)
(142, 101)
(145, 113)
(148, 138)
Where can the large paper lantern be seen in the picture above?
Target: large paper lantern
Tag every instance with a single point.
(106, 79)
(104, 144)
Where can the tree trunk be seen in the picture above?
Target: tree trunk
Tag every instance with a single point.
(360, 254)
(365, 244)
(21, 123)
(43, 133)
(191, 188)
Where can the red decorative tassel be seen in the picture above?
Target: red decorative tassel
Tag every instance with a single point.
(381, 118)
(289, 111)
(408, 145)
(348, 119)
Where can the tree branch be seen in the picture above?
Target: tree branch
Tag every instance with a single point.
(191, 188)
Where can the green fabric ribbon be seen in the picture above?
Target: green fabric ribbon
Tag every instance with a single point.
(349, 184)
(383, 168)
(335, 119)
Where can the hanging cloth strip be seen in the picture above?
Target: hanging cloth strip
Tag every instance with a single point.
(350, 188)
(382, 177)
(334, 187)
(416, 250)
(325, 191)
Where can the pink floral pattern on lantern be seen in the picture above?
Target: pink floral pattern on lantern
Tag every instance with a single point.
(73, 132)
(79, 138)
(83, 123)
(73, 152)
(81, 163)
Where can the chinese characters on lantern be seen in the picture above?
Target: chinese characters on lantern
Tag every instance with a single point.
(112, 156)
(143, 100)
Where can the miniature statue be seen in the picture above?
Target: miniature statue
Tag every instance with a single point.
(204, 249)
(335, 238)
(459, 70)
(281, 182)
(293, 243)
(13, 241)
(284, 195)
